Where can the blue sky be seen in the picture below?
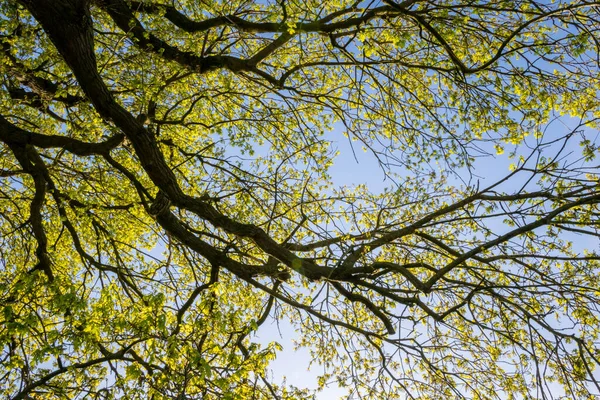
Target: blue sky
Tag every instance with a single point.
(359, 167)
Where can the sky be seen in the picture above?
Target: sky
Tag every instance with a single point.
(358, 167)
(294, 365)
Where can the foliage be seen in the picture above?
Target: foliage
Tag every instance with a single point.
(165, 194)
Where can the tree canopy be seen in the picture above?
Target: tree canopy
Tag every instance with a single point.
(165, 196)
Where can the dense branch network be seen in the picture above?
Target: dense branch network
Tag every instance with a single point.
(116, 133)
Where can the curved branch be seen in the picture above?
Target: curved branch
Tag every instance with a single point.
(12, 134)
(23, 394)
(323, 25)
(43, 89)
(31, 163)
(367, 303)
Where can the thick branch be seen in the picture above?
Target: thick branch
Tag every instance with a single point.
(12, 134)
(43, 89)
(31, 163)
(126, 21)
(24, 394)
(323, 25)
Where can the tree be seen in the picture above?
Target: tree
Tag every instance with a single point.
(164, 192)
